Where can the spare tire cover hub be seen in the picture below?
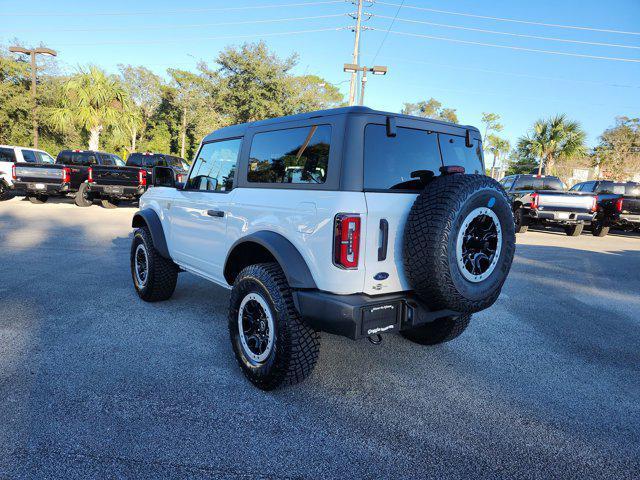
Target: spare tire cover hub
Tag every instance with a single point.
(479, 244)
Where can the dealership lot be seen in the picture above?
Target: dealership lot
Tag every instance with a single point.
(93, 382)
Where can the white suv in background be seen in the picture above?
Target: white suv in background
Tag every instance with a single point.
(348, 221)
(9, 156)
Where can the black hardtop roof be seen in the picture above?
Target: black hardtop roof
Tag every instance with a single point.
(240, 129)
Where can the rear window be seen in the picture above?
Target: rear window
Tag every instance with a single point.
(77, 158)
(552, 184)
(389, 161)
(455, 152)
(29, 156)
(7, 155)
(526, 182)
(295, 155)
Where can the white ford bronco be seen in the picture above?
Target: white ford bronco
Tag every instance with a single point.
(348, 221)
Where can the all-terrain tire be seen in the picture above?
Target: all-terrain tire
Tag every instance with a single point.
(521, 221)
(574, 230)
(38, 199)
(439, 331)
(109, 203)
(5, 192)
(82, 198)
(598, 229)
(162, 274)
(435, 264)
(295, 348)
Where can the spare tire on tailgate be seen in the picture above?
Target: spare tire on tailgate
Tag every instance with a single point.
(459, 242)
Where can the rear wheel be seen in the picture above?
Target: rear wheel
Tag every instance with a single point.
(598, 229)
(574, 230)
(154, 277)
(83, 198)
(521, 221)
(439, 331)
(5, 192)
(271, 343)
(38, 198)
(109, 202)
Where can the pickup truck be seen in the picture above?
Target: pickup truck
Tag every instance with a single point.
(9, 156)
(68, 175)
(542, 200)
(129, 181)
(618, 205)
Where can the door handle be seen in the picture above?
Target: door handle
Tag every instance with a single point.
(215, 213)
(384, 235)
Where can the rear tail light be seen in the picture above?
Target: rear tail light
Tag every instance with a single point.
(346, 247)
(619, 203)
(66, 175)
(535, 200)
(90, 179)
(594, 205)
(142, 178)
(13, 172)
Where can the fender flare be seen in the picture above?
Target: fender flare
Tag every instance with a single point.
(293, 265)
(150, 219)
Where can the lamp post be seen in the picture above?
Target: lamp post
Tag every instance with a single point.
(353, 68)
(33, 52)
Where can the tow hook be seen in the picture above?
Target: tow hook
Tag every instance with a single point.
(375, 339)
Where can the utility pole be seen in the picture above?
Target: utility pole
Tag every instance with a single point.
(356, 49)
(34, 101)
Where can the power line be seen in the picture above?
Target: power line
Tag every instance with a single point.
(166, 12)
(393, 20)
(189, 39)
(193, 25)
(512, 47)
(496, 32)
(513, 20)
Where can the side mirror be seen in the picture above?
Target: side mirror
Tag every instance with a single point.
(164, 177)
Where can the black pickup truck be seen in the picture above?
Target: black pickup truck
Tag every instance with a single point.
(128, 182)
(542, 200)
(618, 205)
(68, 175)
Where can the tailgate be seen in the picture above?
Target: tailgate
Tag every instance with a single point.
(125, 176)
(565, 201)
(39, 173)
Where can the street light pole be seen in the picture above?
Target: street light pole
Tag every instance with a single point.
(354, 69)
(34, 101)
(364, 83)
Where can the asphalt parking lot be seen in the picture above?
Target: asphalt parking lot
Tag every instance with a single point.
(95, 383)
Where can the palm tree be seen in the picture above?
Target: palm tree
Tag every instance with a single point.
(94, 101)
(497, 146)
(553, 139)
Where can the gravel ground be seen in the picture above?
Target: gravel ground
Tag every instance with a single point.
(96, 384)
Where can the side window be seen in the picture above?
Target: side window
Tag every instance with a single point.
(7, 155)
(455, 152)
(588, 187)
(29, 156)
(215, 166)
(390, 161)
(295, 155)
(577, 187)
(44, 157)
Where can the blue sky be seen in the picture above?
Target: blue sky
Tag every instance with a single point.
(521, 86)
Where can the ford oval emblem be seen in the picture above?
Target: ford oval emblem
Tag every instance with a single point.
(381, 276)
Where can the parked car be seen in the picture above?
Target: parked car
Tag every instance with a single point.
(542, 200)
(69, 174)
(9, 156)
(349, 221)
(618, 205)
(128, 182)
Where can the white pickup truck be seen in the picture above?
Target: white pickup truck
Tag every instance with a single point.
(348, 221)
(9, 156)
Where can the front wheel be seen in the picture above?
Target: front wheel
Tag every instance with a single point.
(38, 199)
(598, 229)
(83, 198)
(154, 277)
(574, 230)
(439, 331)
(271, 342)
(520, 221)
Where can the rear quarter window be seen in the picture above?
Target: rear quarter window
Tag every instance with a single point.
(455, 152)
(7, 155)
(29, 156)
(389, 161)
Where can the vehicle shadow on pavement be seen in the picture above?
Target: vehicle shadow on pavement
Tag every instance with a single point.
(95, 381)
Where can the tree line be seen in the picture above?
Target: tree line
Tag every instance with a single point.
(138, 110)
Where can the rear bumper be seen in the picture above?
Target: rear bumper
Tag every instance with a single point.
(47, 188)
(629, 218)
(359, 316)
(116, 191)
(560, 216)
